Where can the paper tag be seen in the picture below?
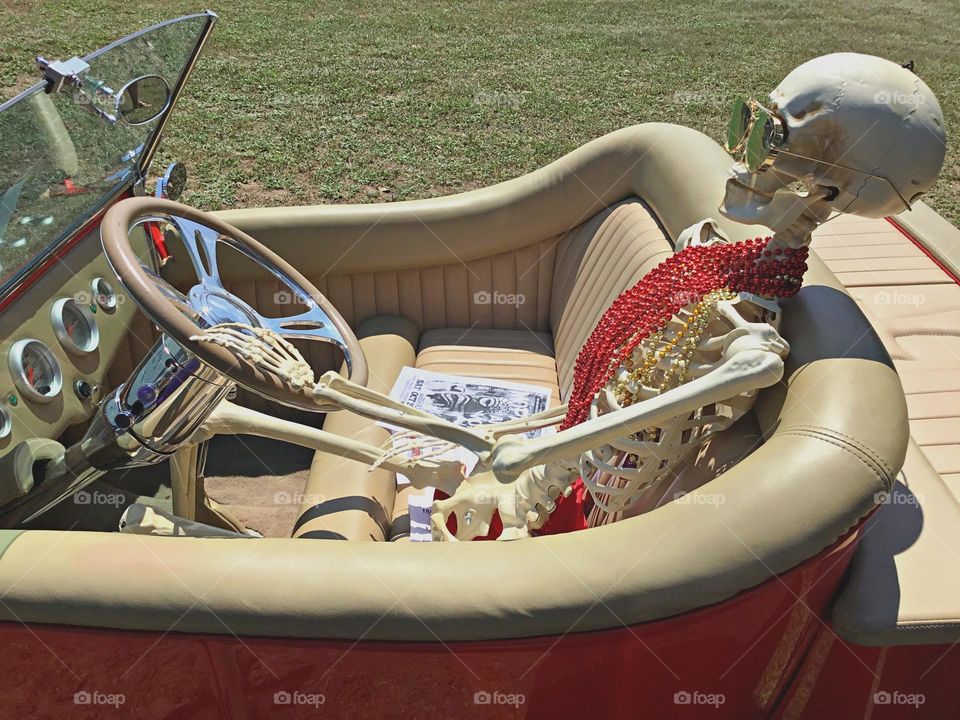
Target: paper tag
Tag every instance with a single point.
(420, 507)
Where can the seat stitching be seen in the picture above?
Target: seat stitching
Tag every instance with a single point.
(878, 469)
(867, 450)
(879, 472)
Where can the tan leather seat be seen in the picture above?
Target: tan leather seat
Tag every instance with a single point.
(898, 592)
(915, 308)
(595, 262)
(902, 589)
(513, 355)
(342, 499)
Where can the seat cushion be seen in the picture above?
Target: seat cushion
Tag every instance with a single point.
(901, 589)
(898, 592)
(514, 355)
(343, 500)
(597, 261)
(915, 308)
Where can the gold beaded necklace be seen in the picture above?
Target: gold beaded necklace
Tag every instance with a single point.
(678, 350)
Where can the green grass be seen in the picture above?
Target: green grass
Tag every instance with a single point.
(365, 101)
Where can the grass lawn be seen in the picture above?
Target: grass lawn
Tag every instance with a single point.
(364, 101)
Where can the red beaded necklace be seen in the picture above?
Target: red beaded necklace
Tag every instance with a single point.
(646, 308)
(680, 280)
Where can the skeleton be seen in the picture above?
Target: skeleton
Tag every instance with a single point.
(859, 135)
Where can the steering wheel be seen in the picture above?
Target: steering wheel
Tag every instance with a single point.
(208, 303)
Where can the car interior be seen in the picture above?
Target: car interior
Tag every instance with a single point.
(871, 385)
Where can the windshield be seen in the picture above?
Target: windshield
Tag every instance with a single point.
(61, 162)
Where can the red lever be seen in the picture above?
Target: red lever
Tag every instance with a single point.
(156, 234)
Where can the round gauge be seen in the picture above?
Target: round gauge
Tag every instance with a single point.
(104, 294)
(5, 423)
(75, 326)
(35, 370)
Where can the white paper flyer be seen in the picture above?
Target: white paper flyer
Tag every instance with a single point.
(465, 401)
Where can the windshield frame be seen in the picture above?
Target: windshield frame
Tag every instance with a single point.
(17, 283)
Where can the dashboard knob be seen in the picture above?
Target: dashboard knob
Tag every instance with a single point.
(88, 392)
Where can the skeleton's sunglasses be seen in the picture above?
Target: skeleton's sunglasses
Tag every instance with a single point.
(756, 135)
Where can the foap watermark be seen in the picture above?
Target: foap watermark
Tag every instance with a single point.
(697, 498)
(685, 297)
(96, 697)
(887, 97)
(97, 497)
(85, 297)
(296, 697)
(699, 97)
(695, 697)
(886, 697)
(499, 99)
(897, 498)
(295, 100)
(497, 697)
(288, 498)
(285, 297)
(482, 297)
(898, 297)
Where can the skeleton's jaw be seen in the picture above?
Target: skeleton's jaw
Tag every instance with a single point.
(764, 199)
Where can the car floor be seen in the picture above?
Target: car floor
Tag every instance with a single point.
(257, 480)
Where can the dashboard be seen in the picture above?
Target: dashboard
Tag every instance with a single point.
(58, 341)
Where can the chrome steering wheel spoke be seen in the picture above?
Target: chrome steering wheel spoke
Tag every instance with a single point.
(314, 324)
(201, 245)
(216, 304)
(190, 317)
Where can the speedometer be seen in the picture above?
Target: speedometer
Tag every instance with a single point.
(74, 326)
(35, 370)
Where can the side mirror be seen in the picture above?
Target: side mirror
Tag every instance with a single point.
(142, 99)
(174, 180)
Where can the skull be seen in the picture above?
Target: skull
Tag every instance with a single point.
(863, 135)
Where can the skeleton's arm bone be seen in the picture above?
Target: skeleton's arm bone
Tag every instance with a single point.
(335, 381)
(231, 419)
(381, 408)
(749, 369)
(269, 351)
(543, 419)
